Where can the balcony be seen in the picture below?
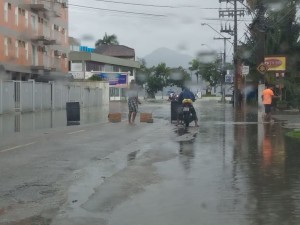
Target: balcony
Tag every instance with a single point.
(46, 8)
(43, 36)
(43, 66)
(43, 39)
(39, 6)
(48, 64)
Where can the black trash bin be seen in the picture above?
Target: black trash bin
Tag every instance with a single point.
(174, 110)
(73, 112)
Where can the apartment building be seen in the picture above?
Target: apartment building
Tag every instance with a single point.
(33, 38)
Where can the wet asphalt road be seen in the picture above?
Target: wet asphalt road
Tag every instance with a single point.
(231, 170)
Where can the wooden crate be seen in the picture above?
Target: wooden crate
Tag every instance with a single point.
(114, 117)
(146, 118)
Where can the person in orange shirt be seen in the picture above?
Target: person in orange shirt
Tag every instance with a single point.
(267, 97)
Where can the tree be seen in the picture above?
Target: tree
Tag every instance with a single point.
(275, 32)
(195, 64)
(160, 76)
(107, 40)
(211, 72)
(178, 77)
(154, 84)
(143, 73)
(95, 78)
(158, 79)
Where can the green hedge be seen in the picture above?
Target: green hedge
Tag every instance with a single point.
(294, 134)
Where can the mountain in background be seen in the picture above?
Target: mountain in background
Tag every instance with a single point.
(172, 58)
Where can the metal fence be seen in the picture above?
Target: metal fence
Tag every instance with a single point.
(29, 96)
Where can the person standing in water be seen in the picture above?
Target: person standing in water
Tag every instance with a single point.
(133, 102)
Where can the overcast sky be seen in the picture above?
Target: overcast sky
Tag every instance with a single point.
(175, 24)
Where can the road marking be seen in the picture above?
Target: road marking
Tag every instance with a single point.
(16, 147)
(75, 132)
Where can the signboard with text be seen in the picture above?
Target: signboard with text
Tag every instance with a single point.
(229, 79)
(245, 70)
(115, 79)
(275, 63)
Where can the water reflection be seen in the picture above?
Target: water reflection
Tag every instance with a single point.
(261, 159)
(28, 122)
(187, 154)
(132, 155)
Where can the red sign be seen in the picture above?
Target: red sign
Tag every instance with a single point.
(273, 63)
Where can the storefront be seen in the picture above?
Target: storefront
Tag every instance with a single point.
(118, 72)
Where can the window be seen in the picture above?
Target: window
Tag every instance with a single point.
(16, 16)
(42, 49)
(6, 12)
(21, 44)
(41, 20)
(17, 48)
(55, 27)
(66, 37)
(26, 19)
(26, 51)
(6, 46)
(33, 23)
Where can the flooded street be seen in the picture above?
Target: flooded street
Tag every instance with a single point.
(236, 171)
(29, 122)
(232, 170)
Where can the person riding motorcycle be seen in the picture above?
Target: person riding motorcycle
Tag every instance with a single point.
(186, 96)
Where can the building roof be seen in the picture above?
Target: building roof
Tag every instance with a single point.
(115, 51)
(74, 41)
(88, 56)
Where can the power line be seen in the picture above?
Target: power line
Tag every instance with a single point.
(131, 12)
(111, 10)
(115, 10)
(153, 5)
(138, 4)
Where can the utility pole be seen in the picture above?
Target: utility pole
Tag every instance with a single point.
(235, 56)
(223, 72)
(234, 13)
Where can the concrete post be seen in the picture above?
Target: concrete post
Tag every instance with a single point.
(52, 94)
(20, 93)
(84, 69)
(1, 97)
(33, 94)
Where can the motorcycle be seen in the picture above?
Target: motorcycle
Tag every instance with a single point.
(187, 115)
(173, 97)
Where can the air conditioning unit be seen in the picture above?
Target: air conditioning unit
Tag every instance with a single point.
(64, 5)
(57, 53)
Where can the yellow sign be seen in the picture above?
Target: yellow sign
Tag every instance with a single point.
(276, 63)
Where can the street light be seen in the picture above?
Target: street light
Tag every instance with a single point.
(224, 59)
(206, 24)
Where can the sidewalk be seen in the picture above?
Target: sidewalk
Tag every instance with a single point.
(291, 120)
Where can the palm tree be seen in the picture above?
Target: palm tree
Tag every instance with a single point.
(107, 40)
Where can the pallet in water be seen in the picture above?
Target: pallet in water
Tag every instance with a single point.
(114, 117)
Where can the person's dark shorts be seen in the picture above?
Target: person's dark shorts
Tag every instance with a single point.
(268, 108)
